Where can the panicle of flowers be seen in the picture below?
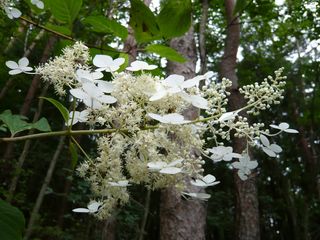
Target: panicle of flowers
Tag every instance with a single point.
(61, 71)
(153, 142)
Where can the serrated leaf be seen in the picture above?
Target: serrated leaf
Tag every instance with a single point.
(12, 222)
(166, 52)
(74, 155)
(62, 109)
(101, 24)
(174, 18)
(143, 22)
(65, 11)
(42, 125)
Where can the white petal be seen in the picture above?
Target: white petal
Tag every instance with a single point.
(275, 148)
(237, 165)
(92, 90)
(155, 116)
(209, 74)
(156, 165)
(151, 67)
(119, 61)
(198, 183)
(174, 118)
(26, 69)
(173, 80)
(201, 196)
(12, 64)
(94, 206)
(158, 96)
(107, 99)
(23, 62)
(269, 152)
(106, 87)
(102, 61)
(227, 116)
(199, 102)
(274, 126)
(209, 178)
(170, 170)
(252, 164)
(283, 125)
(175, 162)
(81, 210)
(289, 130)
(15, 72)
(40, 5)
(264, 140)
(15, 13)
(242, 175)
(78, 93)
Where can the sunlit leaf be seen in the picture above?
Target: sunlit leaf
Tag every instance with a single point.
(166, 52)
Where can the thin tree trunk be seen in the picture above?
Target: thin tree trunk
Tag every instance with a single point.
(46, 182)
(202, 36)
(247, 211)
(181, 219)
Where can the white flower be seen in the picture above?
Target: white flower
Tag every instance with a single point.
(172, 118)
(12, 12)
(121, 183)
(78, 117)
(284, 127)
(140, 65)
(106, 63)
(200, 196)
(38, 3)
(92, 96)
(195, 100)
(196, 80)
(84, 76)
(165, 168)
(21, 66)
(223, 153)
(244, 166)
(93, 207)
(270, 149)
(206, 181)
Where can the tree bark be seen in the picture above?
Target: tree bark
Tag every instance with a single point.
(202, 36)
(247, 207)
(181, 219)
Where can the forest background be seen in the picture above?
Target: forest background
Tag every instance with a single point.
(247, 40)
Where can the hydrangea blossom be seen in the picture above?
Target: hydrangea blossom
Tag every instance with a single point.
(92, 207)
(20, 67)
(146, 134)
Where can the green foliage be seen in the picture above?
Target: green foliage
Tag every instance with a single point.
(16, 123)
(74, 154)
(166, 52)
(143, 22)
(240, 6)
(174, 18)
(65, 11)
(11, 222)
(60, 29)
(62, 109)
(101, 24)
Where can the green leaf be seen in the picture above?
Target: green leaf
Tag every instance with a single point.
(174, 18)
(59, 29)
(166, 52)
(239, 7)
(63, 110)
(42, 125)
(143, 22)
(101, 24)
(74, 155)
(15, 123)
(65, 11)
(11, 222)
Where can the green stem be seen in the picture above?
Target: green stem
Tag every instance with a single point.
(81, 149)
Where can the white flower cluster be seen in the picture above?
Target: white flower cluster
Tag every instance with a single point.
(153, 142)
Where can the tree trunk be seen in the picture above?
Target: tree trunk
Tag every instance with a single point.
(247, 208)
(181, 219)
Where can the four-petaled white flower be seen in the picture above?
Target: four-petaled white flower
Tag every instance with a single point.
(284, 127)
(165, 168)
(223, 153)
(78, 117)
(21, 66)
(38, 3)
(244, 166)
(206, 181)
(200, 196)
(92, 96)
(106, 63)
(171, 118)
(228, 116)
(195, 100)
(121, 183)
(270, 149)
(12, 12)
(84, 76)
(196, 80)
(140, 66)
(92, 207)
